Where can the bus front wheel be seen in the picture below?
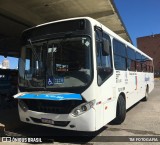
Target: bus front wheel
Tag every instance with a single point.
(121, 111)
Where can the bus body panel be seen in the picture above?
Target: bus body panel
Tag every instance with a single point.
(106, 102)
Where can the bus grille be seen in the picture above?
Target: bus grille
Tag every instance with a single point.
(49, 106)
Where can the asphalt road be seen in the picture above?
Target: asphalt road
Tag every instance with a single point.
(143, 119)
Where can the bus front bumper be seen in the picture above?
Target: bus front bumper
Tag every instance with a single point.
(83, 122)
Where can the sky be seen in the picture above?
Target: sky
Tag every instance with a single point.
(141, 17)
(13, 61)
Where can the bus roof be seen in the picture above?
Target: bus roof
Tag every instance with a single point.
(110, 32)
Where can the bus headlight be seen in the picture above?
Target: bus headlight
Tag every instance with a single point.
(82, 108)
(22, 105)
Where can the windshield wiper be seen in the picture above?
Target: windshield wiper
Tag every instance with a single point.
(33, 49)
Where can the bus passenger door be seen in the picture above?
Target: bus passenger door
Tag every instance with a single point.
(132, 88)
(105, 77)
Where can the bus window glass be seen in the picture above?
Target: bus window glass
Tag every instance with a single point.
(120, 55)
(144, 64)
(138, 62)
(131, 63)
(57, 63)
(104, 63)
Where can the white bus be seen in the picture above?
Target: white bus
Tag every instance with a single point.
(77, 74)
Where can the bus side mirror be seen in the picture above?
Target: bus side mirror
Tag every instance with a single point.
(106, 47)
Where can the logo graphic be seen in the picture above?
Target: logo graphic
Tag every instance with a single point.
(50, 81)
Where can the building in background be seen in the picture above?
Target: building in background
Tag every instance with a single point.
(5, 64)
(151, 46)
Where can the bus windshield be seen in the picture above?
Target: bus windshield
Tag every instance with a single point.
(56, 63)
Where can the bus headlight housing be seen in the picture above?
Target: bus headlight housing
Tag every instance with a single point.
(82, 108)
(22, 105)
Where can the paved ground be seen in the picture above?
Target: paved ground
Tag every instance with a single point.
(143, 119)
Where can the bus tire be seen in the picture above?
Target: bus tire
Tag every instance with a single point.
(121, 110)
(146, 94)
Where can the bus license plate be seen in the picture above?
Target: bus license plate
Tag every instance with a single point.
(47, 121)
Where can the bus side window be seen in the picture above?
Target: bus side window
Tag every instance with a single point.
(131, 63)
(120, 55)
(104, 62)
(144, 64)
(151, 66)
(138, 62)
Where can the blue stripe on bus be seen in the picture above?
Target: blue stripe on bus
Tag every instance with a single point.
(52, 96)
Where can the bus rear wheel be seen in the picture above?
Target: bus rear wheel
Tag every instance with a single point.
(121, 111)
(146, 94)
